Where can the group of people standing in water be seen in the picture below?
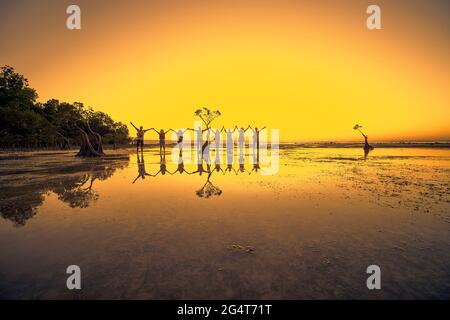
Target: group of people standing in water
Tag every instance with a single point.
(201, 144)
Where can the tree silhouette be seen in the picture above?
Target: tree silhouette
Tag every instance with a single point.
(207, 115)
(367, 146)
(358, 128)
(24, 122)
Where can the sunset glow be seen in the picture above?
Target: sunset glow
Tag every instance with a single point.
(312, 71)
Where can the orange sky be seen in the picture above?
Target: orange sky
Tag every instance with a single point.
(309, 68)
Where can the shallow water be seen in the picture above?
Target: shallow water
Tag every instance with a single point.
(308, 231)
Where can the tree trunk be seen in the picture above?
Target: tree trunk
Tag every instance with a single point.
(98, 146)
(86, 148)
(66, 144)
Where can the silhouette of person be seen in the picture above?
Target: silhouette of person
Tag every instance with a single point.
(217, 139)
(162, 139)
(256, 135)
(180, 136)
(199, 133)
(140, 136)
(217, 142)
(255, 142)
(230, 148)
(230, 151)
(241, 142)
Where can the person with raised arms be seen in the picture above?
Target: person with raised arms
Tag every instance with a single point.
(140, 136)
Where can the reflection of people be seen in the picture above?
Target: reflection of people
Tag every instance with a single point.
(229, 167)
(140, 136)
(162, 165)
(256, 166)
(241, 163)
(180, 168)
(366, 153)
(200, 169)
(141, 168)
(217, 167)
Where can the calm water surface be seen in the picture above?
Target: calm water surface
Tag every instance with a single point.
(309, 231)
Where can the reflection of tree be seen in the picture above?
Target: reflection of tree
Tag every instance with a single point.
(208, 189)
(21, 208)
(72, 184)
(78, 193)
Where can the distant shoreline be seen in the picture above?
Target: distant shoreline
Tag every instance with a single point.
(282, 145)
(403, 144)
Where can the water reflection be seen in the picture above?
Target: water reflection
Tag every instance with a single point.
(141, 167)
(208, 189)
(204, 167)
(73, 183)
(326, 205)
(366, 152)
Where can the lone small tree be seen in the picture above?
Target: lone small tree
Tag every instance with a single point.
(207, 115)
(367, 146)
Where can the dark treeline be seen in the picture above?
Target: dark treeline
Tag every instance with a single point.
(26, 123)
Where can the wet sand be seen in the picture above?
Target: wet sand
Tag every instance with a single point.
(308, 232)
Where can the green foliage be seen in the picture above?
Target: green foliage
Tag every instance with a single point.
(26, 123)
